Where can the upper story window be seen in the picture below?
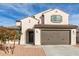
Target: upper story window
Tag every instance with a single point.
(56, 18)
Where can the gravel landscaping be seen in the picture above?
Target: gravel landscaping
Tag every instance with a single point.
(21, 50)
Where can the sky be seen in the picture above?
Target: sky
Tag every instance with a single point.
(11, 12)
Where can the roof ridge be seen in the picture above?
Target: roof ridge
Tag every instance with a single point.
(44, 11)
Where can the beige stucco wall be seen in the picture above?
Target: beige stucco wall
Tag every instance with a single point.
(12, 42)
(26, 24)
(48, 15)
(37, 16)
(73, 36)
(18, 23)
(37, 37)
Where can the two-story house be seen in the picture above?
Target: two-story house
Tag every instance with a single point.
(49, 27)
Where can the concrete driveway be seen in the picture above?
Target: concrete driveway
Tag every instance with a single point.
(61, 50)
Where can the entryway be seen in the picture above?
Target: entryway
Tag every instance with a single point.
(30, 36)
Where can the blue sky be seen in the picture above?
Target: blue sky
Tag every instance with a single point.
(9, 13)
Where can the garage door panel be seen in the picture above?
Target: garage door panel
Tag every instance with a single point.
(55, 37)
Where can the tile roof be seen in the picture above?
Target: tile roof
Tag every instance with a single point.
(57, 26)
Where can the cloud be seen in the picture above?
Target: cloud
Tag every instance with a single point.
(74, 19)
(9, 13)
(15, 9)
(6, 22)
(22, 8)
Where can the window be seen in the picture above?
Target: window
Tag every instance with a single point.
(56, 18)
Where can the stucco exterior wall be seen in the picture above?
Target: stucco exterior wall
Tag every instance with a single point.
(48, 15)
(40, 14)
(27, 23)
(73, 36)
(18, 23)
(12, 42)
(37, 37)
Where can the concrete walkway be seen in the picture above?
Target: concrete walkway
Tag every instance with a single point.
(61, 50)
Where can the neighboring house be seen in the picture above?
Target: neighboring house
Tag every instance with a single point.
(49, 27)
(77, 35)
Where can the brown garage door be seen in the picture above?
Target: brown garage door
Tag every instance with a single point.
(55, 37)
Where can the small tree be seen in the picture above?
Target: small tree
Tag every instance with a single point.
(18, 34)
(3, 35)
(12, 35)
(7, 34)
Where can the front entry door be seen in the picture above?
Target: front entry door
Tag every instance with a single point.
(31, 37)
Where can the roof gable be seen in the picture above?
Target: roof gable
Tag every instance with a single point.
(43, 12)
(31, 18)
(46, 11)
(57, 10)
